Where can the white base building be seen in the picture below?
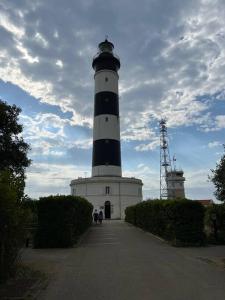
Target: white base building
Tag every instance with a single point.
(110, 194)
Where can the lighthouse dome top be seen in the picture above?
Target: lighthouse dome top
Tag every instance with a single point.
(106, 46)
(105, 59)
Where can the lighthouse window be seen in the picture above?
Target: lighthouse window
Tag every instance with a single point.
(107, 190)
(106, 119)
(106, 79)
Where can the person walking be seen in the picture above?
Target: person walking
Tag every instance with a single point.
(100, 217)
(95, 216)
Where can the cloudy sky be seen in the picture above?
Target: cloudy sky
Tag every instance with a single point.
(172, 65)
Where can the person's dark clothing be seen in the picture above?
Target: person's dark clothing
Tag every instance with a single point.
(95, 215)
(100, 217)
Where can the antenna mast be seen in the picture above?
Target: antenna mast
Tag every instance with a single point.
(165, 162)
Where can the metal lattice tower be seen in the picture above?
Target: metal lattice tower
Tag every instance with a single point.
(165, 162)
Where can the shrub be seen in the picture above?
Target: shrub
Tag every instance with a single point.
(130, 214)
(30, 207)
(187, 222)
(61, 219)
(180, 222)
(12, 222)
(215, 223)
(151, 217)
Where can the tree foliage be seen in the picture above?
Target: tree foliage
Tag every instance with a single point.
(13, 162)
(13, 149)
(218, 178)
(12, 222)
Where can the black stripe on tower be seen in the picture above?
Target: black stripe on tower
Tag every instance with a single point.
(106, 61)
(106, 103)
(106, 152)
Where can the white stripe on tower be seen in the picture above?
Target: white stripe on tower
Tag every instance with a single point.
(111, 85)
(106, 126)
(106, 157)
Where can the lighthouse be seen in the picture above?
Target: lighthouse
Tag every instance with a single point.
(106, 189)
(106, 158)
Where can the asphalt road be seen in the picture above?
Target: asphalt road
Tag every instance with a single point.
(118, 261)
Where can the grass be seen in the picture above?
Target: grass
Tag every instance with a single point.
(25, 285)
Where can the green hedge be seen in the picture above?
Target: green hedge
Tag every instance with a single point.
(61, 220)
(179, 221)
(215, 223)
(130, 214)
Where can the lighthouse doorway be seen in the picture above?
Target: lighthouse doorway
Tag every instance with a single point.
(107, 210)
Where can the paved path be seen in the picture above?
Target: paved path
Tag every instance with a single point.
(120, 262)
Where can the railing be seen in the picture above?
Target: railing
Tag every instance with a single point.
(100, 52)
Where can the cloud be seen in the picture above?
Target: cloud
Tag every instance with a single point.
(9, 26)
(215, 123)
(44, 125)
(43, 177)
(146, 147)
(149, 177)
(50, 135)
(220, 121)
(83, 144)
(214, 144)
(197, 178)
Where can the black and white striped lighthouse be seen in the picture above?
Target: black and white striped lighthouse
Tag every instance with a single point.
(106, 157)
(106, 189)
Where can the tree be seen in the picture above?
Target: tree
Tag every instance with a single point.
(13, 162)
(13, 149)
(218, 178)
(12, 223)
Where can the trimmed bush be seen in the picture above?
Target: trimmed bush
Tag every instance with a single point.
(30, 206)
(215, 223)
(130, 214)
(150, 216)
(187, 222)
(61, 220)
(180, 222)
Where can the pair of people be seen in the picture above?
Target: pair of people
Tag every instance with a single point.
(98, 217)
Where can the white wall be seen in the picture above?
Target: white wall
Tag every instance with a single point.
(122, 193)
(109, 129)
(106, 170)
(101, 85)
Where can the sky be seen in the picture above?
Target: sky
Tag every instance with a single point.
(172, 57)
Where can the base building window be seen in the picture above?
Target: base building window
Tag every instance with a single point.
(107, 190)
